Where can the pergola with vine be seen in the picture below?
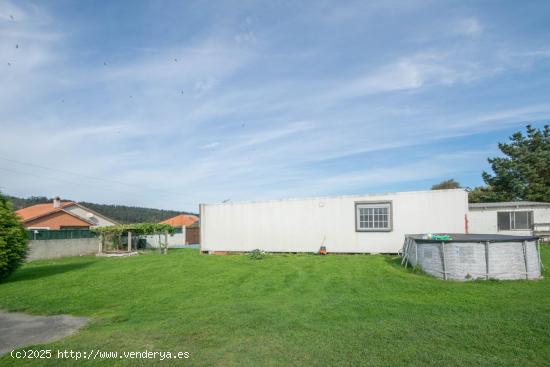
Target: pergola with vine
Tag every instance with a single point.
(114, 234)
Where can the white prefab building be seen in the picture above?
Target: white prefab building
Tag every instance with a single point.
(511, 218)
(344, 224)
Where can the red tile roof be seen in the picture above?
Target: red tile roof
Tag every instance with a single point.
(39, 210)
(181, 220)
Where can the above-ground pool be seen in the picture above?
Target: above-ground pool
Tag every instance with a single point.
(475, 256)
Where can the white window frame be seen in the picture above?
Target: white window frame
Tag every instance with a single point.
(359, 224)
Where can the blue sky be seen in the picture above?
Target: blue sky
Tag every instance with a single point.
(170, 104)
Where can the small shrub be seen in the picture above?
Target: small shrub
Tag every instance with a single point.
(257, 254)
(13, 240)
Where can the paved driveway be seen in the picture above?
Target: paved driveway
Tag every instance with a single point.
(19, 329)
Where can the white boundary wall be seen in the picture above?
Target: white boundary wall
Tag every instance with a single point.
(52, 249)
(175, 240)
(303, 225)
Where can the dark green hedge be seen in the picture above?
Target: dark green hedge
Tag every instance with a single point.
(13, 240)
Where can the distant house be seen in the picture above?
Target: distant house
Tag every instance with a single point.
(187, 232)
(181, 220)
(189, 225)
(62, 215)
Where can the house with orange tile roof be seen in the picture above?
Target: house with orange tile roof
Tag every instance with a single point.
(181, 220)
(62, 215)
(190, 231)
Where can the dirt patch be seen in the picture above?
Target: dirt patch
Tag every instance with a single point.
(18, 329)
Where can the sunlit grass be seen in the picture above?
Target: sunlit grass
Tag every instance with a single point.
(285, 310)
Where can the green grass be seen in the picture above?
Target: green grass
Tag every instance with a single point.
(285, 310)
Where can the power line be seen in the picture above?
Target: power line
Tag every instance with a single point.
(42, 176)
(71, 182)
(37, 175)
(165, 192)
(69, 172)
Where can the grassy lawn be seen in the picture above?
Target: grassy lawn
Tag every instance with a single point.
(285, 310)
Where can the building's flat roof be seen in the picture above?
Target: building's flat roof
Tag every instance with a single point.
(229, 202)
(508, 204)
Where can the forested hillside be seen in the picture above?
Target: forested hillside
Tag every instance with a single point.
(120, 213)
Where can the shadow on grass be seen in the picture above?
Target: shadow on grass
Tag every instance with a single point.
(42, 271)
(394, 260)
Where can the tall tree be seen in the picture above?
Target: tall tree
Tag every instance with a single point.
(523, 173)
(482, 194)
(447, 184)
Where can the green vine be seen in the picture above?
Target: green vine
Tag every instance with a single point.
(138, 229)
(113, 234)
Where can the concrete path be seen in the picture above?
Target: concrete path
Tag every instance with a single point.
(19, 329)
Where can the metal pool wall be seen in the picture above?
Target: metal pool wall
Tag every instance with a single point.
(469, 257)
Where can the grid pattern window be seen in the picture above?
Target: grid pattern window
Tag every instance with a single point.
(518, 220)
(373, 217)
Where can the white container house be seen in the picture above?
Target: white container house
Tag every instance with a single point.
(519, 218)
(344, 224)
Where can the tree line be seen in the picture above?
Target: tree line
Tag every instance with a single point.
(522, 173)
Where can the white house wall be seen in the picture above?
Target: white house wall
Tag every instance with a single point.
(96, 219)
(303, 225)
(485, 220)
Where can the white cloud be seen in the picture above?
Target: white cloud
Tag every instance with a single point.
(28, 47)
(212, 145)
(426, 168)
(201, 63)
(203, 86)
(11, 13)
(468, 27)
(253, 120)
(245, 37)
(414, 72)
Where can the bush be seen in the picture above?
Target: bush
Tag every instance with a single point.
(257, 254)
(13, 239)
